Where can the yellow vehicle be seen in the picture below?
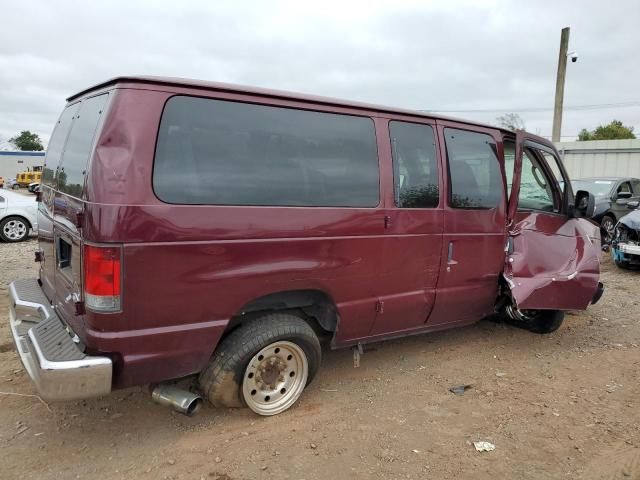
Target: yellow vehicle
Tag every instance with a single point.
(30, 176)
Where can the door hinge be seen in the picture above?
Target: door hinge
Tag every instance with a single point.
(80, 310)
(379, 306)
(39, 256)
(387, 221)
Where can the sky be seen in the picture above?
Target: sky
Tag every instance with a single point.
(469, 59)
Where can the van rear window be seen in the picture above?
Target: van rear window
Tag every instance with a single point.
(77, 150)
(228, 153)
(56, 144)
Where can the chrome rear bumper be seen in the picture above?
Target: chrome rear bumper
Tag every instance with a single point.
(55, 363)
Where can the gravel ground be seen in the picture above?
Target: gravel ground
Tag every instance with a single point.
(17, 261)
(564, 405)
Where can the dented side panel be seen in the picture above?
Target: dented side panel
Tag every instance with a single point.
(554, 262)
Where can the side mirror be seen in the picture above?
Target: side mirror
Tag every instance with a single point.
(585, 204)
(624, 195)
(633, 204)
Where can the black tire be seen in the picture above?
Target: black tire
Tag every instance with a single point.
(622, 264)
(607, 226)
(544, 321)
(221, 380)
(20, 223)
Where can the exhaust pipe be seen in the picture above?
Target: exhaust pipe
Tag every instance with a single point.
(180, 400)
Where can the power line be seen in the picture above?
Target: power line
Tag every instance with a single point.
(595, 106)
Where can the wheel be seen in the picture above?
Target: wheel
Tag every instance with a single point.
(607, 225)
(264, 364)
(14, 229)
(537, 321)
(15, 186)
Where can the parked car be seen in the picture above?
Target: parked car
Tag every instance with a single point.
(194, 228)
(1, 182)
(34, 187)
(12, 184)
(18, 215)
(625, 246)
(612, 195)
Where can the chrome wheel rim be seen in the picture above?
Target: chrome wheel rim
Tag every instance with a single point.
(608, 226)
(521, 315)
(14, 230)
(275, 378)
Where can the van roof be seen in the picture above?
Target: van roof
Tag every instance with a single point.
(229, 87)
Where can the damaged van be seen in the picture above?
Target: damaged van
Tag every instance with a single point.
(192, 228)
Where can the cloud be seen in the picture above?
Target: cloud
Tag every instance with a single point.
(457, 55)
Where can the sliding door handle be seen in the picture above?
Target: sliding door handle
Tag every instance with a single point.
(450, 260)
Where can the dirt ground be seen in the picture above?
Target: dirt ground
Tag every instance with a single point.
(564, 405)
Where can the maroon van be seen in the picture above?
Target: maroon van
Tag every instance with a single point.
(189, 228)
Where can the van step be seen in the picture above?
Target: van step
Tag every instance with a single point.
(30, 294)
(55, 341)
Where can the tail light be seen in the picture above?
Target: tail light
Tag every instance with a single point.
(102, 278)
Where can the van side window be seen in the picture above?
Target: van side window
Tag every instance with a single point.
(535, 191)
(509, 163)
(559, 181)
(415, 170)
(474, 172)
(219, 152)
(77, 150)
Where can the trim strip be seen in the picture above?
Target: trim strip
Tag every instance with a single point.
(22, 154)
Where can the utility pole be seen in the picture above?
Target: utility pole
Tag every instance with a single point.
(562, 72)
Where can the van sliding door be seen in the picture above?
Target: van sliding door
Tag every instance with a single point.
(474, 225)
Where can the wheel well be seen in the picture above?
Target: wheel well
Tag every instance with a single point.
(314, 306)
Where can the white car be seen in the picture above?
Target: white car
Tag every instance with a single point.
(18, 215)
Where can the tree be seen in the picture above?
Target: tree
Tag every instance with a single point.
(27, 141)
(614, 131)
(5, 145)
(511, 121)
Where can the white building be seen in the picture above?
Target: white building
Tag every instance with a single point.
(12, 163)
(601, 158)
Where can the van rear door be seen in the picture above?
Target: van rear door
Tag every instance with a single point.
(46, 206)
(68, 208)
